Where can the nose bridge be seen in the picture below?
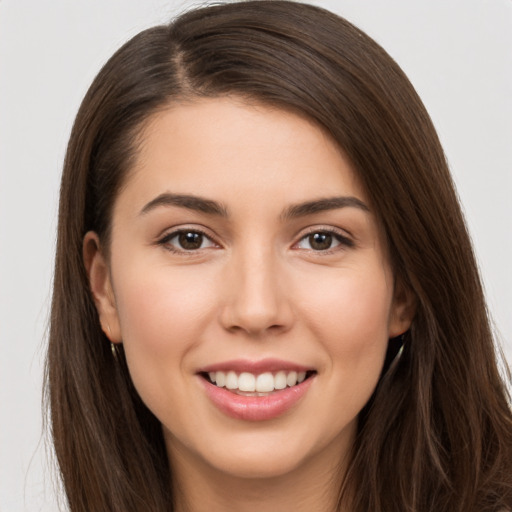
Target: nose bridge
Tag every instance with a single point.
(256, 298)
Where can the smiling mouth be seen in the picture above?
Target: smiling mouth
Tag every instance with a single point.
(250, 384)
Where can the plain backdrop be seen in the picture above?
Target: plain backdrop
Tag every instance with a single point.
(457, 53)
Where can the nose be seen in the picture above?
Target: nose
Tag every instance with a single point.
(257, 301)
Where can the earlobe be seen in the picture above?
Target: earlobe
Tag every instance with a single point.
(403, 310)
(101, 287)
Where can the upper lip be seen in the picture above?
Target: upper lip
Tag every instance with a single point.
(255, 367)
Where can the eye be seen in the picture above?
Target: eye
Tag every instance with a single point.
(187, 240)
(323, 241)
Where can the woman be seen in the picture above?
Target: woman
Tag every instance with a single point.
(257, 302)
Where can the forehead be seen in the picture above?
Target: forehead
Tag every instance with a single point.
(228, 149)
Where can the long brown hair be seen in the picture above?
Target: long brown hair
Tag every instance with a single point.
(437, 433)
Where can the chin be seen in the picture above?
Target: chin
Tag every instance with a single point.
(254, 466)
(276, 455)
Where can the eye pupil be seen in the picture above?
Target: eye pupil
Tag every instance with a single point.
(320, 241)
(190, 240)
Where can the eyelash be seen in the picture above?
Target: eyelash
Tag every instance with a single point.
(343, 240)
(164, 241)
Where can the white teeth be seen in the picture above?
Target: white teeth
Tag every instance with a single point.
(265, 383)
(231, 380)
(280, 380)
(220, 379)
(291, 379)
(262, 383)
(247, 382)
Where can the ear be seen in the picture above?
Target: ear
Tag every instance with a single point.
(402, 311)
(101, 286)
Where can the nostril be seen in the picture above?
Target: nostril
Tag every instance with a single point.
(256, 308)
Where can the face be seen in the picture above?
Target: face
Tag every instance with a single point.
(250, 286)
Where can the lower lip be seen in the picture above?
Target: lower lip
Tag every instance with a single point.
(256, 408)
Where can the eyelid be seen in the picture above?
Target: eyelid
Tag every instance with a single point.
(343, 236)
(170, 233)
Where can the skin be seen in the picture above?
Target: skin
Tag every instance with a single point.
(256, 288)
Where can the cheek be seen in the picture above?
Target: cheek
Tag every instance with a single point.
(162, 313)
(351, 317)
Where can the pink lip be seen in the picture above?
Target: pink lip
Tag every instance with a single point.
(254, 367)
(256, 408)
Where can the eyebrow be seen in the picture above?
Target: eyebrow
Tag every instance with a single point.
(322, 205)
(211, 207)
(190, 202)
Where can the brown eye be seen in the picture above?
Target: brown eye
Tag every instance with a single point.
(320, 241)
(190, 240)
(186, 241)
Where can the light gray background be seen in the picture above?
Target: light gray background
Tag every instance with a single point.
(457, 53)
